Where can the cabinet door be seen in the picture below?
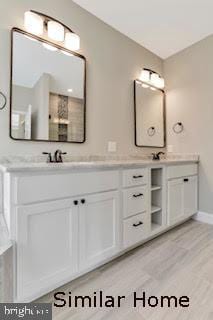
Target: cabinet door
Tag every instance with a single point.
(175, 206)
(190, 196)
(99, 227)
(47, 247)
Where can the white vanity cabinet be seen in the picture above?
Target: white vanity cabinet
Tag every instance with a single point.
(47, 246)
(182, 192)
(99, 232)
(59, 239)
(56, 240)
(67, 222)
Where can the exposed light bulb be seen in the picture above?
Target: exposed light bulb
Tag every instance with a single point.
(70, 90)
(33, 23)
(55, 31)
(49, 47)
(72, 41)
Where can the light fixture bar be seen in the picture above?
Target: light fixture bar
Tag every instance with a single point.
(152, 79)
(36, 23)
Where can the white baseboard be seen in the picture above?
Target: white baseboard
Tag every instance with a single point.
(204, 217)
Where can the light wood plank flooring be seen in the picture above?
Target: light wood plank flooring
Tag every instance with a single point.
(179, 262)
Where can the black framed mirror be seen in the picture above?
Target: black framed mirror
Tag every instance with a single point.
(149, 111)
(48, 91)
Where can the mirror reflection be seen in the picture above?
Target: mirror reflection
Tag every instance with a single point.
(149, 116)
(48, 92)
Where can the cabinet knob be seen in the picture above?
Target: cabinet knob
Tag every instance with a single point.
(75, 202)
(186, 180)
(83, 201)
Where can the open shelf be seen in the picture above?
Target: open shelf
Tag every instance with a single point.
(155, 227)
(156, 199)
(156, 177)
(156, 220)
(155, 209)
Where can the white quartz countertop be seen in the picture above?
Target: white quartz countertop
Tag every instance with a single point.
(22, 166)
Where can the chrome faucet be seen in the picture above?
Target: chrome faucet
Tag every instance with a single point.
(156, 156)
(58, 156)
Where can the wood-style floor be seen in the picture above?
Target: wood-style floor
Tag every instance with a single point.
(179, 263)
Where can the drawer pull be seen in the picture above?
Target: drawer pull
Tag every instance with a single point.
(186, 180)
(75, 202)
(137, 224)
(138, 195)
(137, 177)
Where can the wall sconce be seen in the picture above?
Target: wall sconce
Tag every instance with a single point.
(40, 24)
(152, 78)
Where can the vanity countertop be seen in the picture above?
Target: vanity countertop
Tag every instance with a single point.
(26, 166)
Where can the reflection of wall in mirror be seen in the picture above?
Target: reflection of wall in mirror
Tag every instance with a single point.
(37, 98)
(40, 109)
(149, 114)
(21, 115)
(66, 121)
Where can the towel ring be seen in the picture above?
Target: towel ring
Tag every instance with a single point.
(3, 101)
(178, 127)
(151, 131)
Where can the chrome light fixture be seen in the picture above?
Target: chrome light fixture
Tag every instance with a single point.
(40, 24)
(152, 79)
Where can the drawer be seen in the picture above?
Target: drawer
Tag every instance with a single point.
(135, 229)
(134, 201)
(135, 177)
(181, 171)
(30, 189)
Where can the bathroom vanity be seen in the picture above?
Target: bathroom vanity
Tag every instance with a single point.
(67, 219)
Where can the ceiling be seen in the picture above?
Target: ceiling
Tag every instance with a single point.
(31, 60)
(165, 27)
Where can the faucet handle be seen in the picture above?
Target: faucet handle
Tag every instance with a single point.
(156, 156)
(58, 156)
(49, 158)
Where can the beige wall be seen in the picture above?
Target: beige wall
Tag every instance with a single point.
(40, 108)
(189, 78)
(113, 62)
